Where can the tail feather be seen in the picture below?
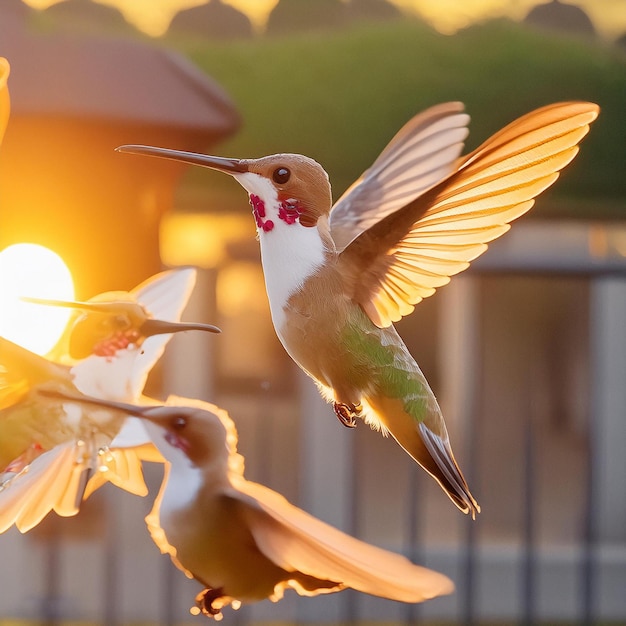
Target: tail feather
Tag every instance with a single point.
(454, 482)
(432, 451)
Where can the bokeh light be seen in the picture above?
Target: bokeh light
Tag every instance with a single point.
(31, 270)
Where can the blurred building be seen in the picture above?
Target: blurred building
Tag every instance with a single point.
(74, 99)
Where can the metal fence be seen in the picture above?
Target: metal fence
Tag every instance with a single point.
(101, 567)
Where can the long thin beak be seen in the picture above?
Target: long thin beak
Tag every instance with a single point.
(148, 328)
(96, 307)
(129, 409)
(158, 327)
(230, 166)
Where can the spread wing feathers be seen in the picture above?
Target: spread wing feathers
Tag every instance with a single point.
(53, 481)
(299, 542)
(164, 296)
(122, 468)
(409, 254)
(121, 462)
(423, 152)
(20, 369)
(60, 479)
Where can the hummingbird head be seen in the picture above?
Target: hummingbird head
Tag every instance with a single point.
(291, 200)
(198, 433)
(197, 430)
(105, 327)
(288, 189)
(113, 321)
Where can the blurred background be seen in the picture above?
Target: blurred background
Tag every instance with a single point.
(526, 350)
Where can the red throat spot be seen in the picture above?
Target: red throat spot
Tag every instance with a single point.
(177, 442)
(292, 210)
(289, 211)
(119, 341)
(258, 210)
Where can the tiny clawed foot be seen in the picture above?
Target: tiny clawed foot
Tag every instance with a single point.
(205, 600)
(347, 413)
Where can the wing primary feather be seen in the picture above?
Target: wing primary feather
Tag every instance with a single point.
(29, 496)
(422, 153)
(296, 541)
(493, 185)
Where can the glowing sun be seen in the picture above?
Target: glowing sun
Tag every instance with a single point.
(28, 269)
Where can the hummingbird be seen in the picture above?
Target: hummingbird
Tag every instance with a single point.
(52, 454)
(338, 276)
(241, 540)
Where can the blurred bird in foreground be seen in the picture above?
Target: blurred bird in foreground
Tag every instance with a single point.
(241, 540)
(338, 276)
(52, 453)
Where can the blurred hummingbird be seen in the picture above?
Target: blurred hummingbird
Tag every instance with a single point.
(49, 449)
(338, 276)
(243, 541)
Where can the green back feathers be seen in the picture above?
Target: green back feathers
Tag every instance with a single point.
(381, 361)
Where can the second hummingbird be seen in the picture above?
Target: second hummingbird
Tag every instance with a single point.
(338, 276)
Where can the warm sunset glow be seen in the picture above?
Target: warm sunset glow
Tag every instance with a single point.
(31, 270)
(5, 105)
(447, 16)
(200, 238)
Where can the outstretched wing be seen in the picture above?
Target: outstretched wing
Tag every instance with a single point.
(21, 369)
(421, 154)
(410, 253)
(124, 458)
(299, 542)
(50, 482)
(165, 297)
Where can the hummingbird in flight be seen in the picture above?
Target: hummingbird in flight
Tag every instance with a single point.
(338, 276)
(52, 454)
(241, 540)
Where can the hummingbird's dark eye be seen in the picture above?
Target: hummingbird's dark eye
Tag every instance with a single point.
(281, 175)
(179, 422)
(121, 322)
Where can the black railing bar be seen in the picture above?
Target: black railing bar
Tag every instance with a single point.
(588, 570)
(529, 555)
(111, 548)
(50, 608)
(349, 606)
(168, 578)
(468, 593)
(414, 548)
